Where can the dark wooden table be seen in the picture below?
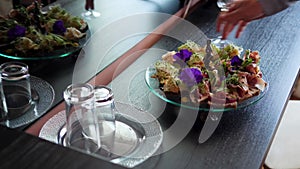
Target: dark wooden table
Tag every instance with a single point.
(242, 138)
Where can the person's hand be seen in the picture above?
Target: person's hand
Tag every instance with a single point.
(239, 13)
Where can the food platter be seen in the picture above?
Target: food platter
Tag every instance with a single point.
(45, 55)
(32, 34)
(208, 78)
(175, 99)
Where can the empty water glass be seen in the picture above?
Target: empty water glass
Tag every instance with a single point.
(16, 87)
(105, 113)
(82, 128)
(3, 107)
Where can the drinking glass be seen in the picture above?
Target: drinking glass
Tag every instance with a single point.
(16, 87)
(218, 41)
(90, 10)
(105, 111)
(223, 5)
(3, 106)
(82, 128)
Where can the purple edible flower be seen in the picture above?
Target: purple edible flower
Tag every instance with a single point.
(236, 61)
(17, 31)
(59, 28)
(183, 55)
(191, 76)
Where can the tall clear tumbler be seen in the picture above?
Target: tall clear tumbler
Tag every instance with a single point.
(82, 129)
(3, 106)
(105, 113)
(16, 88)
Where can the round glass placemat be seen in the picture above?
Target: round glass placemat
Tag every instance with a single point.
(45, 97)
(175, 99)
(138, 134)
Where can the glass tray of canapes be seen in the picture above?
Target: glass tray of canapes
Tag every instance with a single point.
(227, 81)
(28, 33)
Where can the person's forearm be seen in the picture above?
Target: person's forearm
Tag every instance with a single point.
(271, 7)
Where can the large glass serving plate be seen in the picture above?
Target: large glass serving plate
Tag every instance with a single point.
(44, 54)
(175, 99)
